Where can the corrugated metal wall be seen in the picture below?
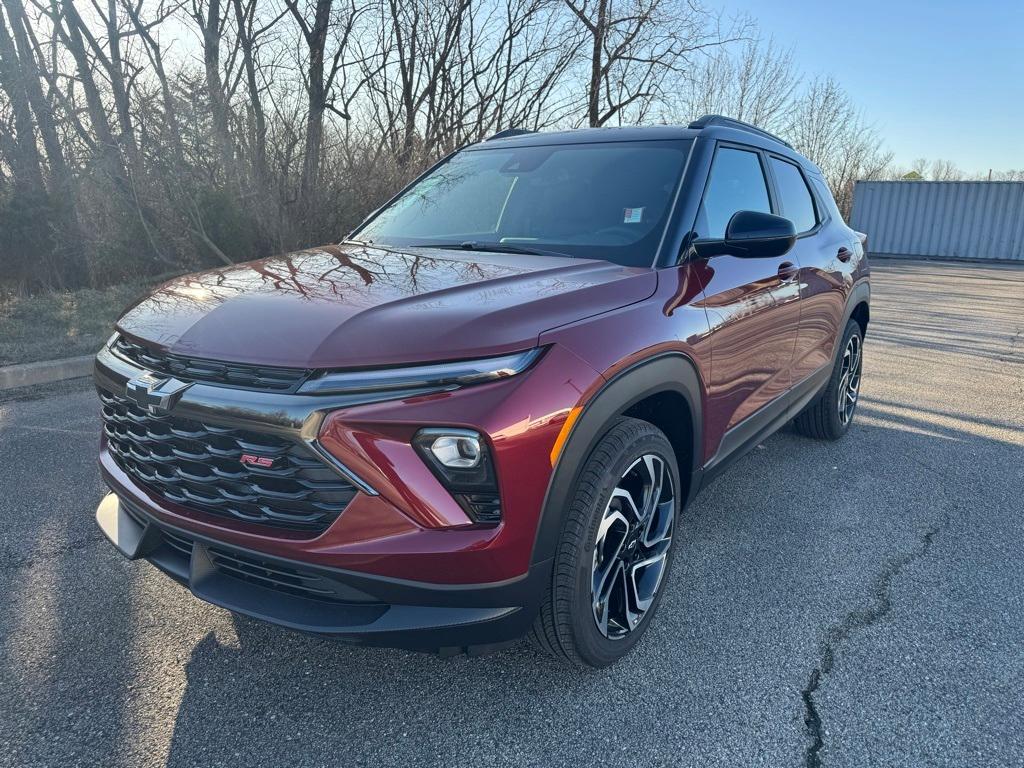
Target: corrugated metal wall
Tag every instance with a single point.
(941, 219)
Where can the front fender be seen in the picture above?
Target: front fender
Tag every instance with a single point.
(667, 372)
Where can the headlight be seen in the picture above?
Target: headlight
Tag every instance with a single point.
(436, 376)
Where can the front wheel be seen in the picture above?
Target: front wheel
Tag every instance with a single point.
(829, 415)
(616, 549)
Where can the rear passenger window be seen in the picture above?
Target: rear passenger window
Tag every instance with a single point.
(797, 205)
(736, 184)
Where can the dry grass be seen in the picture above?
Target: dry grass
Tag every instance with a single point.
(62, 324)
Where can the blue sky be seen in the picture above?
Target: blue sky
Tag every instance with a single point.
(938, 79)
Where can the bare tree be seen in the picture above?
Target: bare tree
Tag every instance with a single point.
(70, 29)
(22, 154)
(1014, 174)
(514, 58)
(320, 79)
(418, 61)
(249, 34)
(945, 170)
(636, 50)
(211, 18)
(828, 129)
(155, 56)
(757, 85)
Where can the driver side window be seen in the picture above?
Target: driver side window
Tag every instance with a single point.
(736, 184)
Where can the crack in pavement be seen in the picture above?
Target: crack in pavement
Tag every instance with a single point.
(839, 633)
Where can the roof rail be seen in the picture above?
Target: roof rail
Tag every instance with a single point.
(508, 133)
(728, 122)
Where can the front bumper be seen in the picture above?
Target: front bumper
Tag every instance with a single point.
(353, 607)
(406, 526)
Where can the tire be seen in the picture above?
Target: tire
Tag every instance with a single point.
(826, 418)
(604, 543)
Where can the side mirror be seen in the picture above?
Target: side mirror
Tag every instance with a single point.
(752, 235)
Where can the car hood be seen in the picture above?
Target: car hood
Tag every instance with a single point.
(341, 306)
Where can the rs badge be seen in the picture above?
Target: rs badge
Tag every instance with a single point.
(257, 461)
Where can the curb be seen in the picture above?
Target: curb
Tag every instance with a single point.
(45, 372)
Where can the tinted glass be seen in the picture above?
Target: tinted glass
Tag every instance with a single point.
(736, 184)
(797, 205)
(825, 195)
(597, 201)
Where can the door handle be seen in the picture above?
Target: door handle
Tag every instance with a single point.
(787, 271)
(845, 254)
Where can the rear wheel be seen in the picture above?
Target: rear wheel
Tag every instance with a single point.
(829, 416)
(616, 548)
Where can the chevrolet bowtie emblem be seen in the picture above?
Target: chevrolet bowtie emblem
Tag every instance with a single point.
(155, 393)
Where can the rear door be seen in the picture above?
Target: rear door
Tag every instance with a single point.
(752, 303)
(820, 248)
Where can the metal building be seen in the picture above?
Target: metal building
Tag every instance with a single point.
(941, 219)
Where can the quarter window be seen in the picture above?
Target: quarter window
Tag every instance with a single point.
(736, 184)
(797, 205)
(825, 196)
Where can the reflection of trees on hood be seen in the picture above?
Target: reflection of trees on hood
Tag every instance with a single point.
(331, 272)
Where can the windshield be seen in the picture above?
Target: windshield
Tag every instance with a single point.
(595, 201)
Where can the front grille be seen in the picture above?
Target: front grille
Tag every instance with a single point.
(482, 507)
(263, 573)
(210, 371)
(253, 569)
(179, 544)
(198, 465)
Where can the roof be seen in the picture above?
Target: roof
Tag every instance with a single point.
(591, 136)
(722, 129)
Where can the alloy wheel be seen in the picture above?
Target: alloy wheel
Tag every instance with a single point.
(632, 546)
(849, 379)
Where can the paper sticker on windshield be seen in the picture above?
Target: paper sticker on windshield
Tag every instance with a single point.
(633, 215)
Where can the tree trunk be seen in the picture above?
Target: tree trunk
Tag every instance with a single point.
(317, 40)
(215, 88)
(62, 190)
(596, 61)
(156, 57)
(113, 66)
(118, 87)
(259, 139)
(72, 38)
(24, 156)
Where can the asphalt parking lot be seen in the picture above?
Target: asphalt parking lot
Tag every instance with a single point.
(846, 604)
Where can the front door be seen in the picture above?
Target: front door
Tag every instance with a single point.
(752, 304)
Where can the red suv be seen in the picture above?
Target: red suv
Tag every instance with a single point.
(483, 414)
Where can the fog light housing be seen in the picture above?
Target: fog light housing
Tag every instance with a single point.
(461, 460)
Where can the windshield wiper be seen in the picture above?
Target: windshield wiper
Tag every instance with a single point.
(493, 248)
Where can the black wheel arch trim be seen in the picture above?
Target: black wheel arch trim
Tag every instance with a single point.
(859, 294)
(669, 371)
